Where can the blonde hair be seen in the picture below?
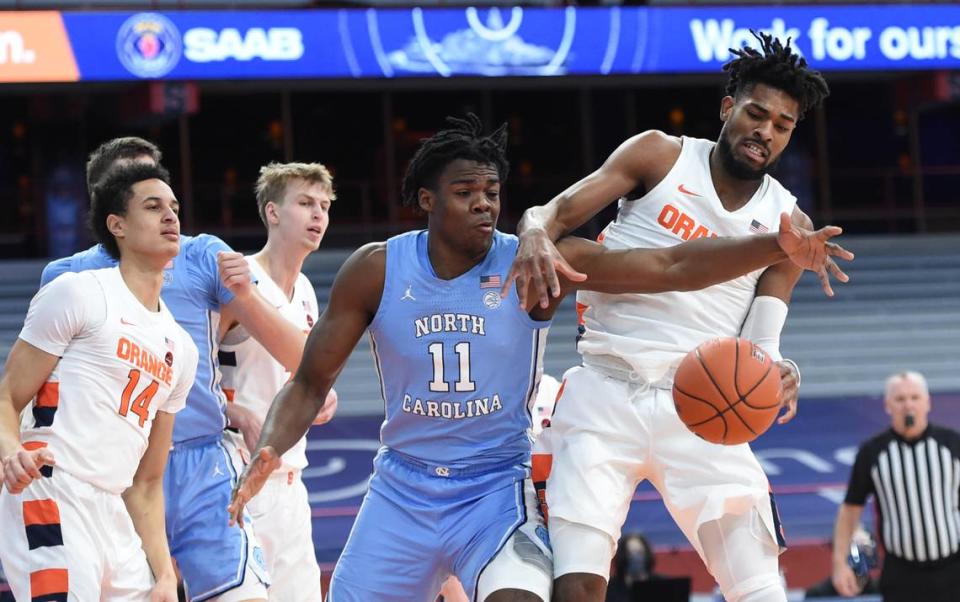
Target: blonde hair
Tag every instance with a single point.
(911, 375)
(274, 178)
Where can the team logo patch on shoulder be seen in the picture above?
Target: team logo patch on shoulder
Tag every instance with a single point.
(492, 299)
(149, 45)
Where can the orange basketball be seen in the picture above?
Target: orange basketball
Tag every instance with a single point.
(727, 391)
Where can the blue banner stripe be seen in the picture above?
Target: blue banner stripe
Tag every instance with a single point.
(493, 42)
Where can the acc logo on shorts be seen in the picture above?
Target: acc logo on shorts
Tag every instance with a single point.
(149, 45)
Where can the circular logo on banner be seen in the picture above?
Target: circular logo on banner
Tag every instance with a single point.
(491, 41)
(149, 45)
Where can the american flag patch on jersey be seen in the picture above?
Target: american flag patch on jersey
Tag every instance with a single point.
(490, 281)
(757, 227)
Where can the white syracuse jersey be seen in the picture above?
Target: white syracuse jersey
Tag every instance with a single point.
(119, 365)
(251, 377)
(648, 334)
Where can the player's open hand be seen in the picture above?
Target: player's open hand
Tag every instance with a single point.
(845, 581)
(789, 391)
(536, 264)
(251, 482)
(235, 272)
(812, 250)
(23, 466)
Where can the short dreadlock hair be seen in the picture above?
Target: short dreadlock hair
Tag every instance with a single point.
(111, 196)
(777, 66)
(463, 140)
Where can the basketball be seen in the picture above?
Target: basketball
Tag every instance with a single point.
(727, 391)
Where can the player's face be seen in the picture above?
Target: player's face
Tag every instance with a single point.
(907, 398)
(466, 204)
(757, 127)
(151, 226)
(303, 215)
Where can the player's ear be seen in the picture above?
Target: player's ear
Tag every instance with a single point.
(425, 199)
(270, 210)
(116, 225)
(726, 107)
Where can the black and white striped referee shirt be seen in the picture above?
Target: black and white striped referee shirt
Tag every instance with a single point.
(917, 486)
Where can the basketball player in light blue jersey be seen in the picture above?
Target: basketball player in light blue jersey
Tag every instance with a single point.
(458, 364)
(216, 561)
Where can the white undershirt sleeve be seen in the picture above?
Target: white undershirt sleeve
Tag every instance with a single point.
(764, 323)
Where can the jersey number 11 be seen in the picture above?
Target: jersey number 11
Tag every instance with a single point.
(462, 384)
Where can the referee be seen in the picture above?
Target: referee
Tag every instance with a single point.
(913, 469)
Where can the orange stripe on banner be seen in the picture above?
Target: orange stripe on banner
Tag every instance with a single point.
(32, 445)
(49, 395)
(48, 581)
(41, 512)
(38, 49)
(230, 393)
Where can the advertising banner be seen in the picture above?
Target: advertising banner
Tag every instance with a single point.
(458, 42)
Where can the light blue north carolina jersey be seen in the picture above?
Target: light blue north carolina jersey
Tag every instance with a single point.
(192, 291)
(458, 365)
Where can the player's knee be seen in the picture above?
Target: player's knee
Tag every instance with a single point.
(579, 587)
(513, 595)
(743, 558)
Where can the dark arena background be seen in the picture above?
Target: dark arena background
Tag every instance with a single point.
(225, 87)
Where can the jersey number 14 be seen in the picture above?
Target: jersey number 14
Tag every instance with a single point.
(139, 405)
(463, 384)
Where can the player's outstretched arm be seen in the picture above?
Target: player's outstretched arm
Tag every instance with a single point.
(279, 336)
(26, 370)
(145, 504)
(695, 264)
(641, 161)
(354, 299)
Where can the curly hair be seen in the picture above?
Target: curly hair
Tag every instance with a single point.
(776, 65)
(463, 140)
(111, 196)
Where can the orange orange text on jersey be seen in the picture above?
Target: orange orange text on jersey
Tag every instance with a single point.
(681, 224)
(143, 359)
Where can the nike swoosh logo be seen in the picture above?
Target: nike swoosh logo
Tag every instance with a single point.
(685, 191)
(122, 321)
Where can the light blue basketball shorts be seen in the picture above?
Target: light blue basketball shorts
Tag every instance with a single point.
(420, 523)
(213, 557)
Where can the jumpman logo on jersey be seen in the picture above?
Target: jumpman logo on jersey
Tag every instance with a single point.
(408, 295)
(216, 470)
